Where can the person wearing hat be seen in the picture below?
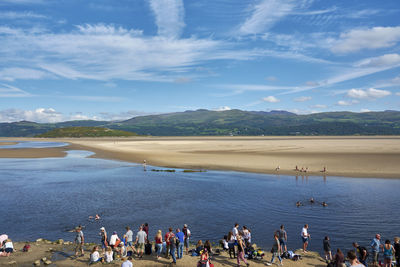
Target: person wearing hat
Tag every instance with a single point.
(375, 246)
(79, 241)
(114, 240)
(187, 233)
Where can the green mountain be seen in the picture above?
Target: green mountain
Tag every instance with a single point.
(233, 122)
(85, 132)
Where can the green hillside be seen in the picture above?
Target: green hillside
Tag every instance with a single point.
(230, 122)
(85, 132)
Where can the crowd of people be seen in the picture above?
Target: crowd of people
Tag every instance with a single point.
(237, 243)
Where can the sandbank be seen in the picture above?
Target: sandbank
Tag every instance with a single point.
(342, 156)
(358, 156)
(61, 255)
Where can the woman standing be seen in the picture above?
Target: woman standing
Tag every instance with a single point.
(159, 242)
(388, 252)
(231, 245)
(240, 255)
(276, 250)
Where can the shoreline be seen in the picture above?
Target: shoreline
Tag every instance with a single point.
(60, 254)
(366, 156)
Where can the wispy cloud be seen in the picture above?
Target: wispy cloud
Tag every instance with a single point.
(104, 52)
(169, 17)
(12, 91)
(11, 74)
(265, 14)
(302, 98)
(21, 15)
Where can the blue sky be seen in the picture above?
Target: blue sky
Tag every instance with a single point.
(112, 60)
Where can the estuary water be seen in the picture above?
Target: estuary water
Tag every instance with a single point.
(46, 197)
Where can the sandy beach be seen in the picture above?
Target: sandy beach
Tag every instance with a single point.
(61, 255)
(375, 156)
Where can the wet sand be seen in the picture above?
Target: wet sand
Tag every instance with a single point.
(375, 156)
(8, 143)
(33, 152)
(61, 255)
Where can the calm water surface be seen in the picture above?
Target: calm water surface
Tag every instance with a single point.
(46, 197)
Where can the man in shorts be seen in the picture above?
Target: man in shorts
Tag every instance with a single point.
(141, 238)
(79, 241)
(375, 246)
(305, 236)
(129, 238)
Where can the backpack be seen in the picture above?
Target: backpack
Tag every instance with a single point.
(177, 241)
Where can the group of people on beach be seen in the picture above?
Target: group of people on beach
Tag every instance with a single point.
(172, 244)
(238, 243)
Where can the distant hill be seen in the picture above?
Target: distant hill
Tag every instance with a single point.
(85, 132)
(232, 122)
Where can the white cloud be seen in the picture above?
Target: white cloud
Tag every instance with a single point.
(169, 17)
(318, 106)
(224, 108)
(373, 38)
(365, 110)
(381, 61)
(265, 14)
(271, 99)
(302, 98)
(398, 93)
(12, 91)
(370, 93)
(21, 15)
(103, 29)
(346, 103)
(11, 74)
(104, 52)
(37, 115)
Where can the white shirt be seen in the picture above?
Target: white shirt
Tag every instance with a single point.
(109, 256)
(129, 236)
(304, 232)
(235, 232)
(113, 239)
(9, 245)
(225, 244)
(95, 256)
